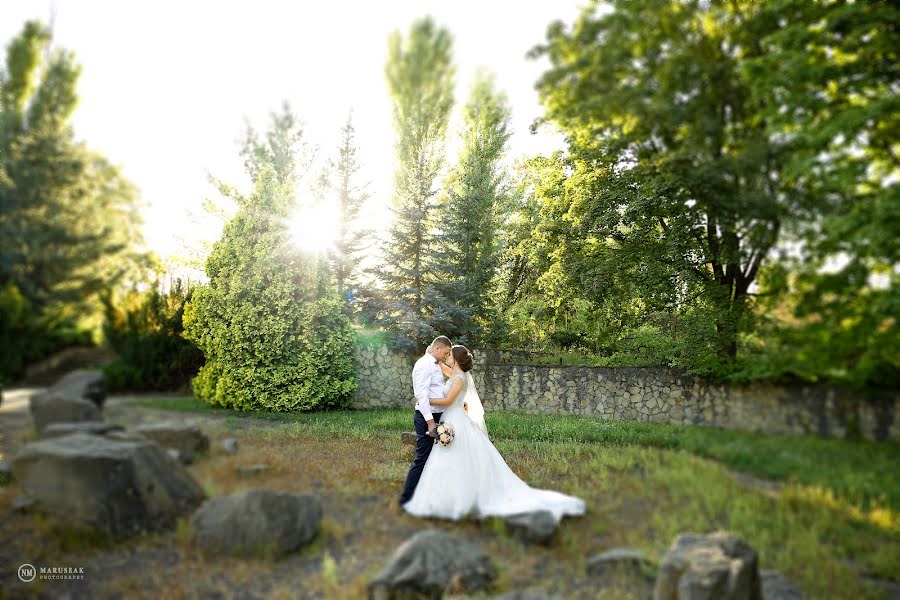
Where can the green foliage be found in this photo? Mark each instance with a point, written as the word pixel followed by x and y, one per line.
pixel 281 148
pixel 857 327
pixel 26 337
pixel 372 339
pixel 146 332
pixel 420 75
pixel 671 186
pixel 476 203
pixel 271 338
pixel 717 168
pixel 339 184
pixel 68 219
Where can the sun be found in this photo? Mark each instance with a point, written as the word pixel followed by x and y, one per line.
pixel 314 228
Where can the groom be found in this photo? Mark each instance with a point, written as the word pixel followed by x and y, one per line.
pixel 428 383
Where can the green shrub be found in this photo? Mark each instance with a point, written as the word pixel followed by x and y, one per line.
pixel 26 336
pixel 146 332
pixel 274 335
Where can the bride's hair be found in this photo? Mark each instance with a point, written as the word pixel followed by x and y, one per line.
pixel 463 357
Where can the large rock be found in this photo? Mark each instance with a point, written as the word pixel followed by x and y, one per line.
pixel 230 445
pixel 619 561
pixel 95 427
pixel 776 586
pixel 257 522
pixel 717 566
pixel 538 526
pixel 22 503
pixel 58 407
pixel 431 563
pixel 187 439
pixel 114 486
pixel 82 383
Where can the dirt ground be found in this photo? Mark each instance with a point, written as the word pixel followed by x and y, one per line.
pixel 358 484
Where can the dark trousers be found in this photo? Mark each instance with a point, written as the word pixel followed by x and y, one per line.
pixel 424 444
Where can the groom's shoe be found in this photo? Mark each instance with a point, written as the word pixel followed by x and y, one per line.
pixel 400 510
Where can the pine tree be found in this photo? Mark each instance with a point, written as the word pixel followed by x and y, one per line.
pixel 471 213
pixel 272 331
pixel 281 149
pixel 339 181
pixel 420 79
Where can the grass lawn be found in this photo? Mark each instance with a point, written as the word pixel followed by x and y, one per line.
pixel 830 526
pixel 864 474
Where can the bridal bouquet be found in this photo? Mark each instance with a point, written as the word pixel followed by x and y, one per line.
pixel 444 434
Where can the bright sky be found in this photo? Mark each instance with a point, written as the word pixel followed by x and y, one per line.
pixel 167 85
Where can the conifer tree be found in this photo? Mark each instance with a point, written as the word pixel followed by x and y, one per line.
pixel 471 216
pixel 420 80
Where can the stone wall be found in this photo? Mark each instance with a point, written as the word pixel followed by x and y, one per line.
pixel 641 394
pixel 385 378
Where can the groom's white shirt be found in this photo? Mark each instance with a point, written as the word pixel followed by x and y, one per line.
pixel 428 382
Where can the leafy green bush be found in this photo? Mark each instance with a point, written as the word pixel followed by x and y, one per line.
pixel 145 330
pixel 26 336
pixel 273 334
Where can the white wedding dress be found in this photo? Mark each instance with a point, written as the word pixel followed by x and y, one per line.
pixel 470 478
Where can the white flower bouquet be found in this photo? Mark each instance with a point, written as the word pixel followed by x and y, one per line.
pixel 443 433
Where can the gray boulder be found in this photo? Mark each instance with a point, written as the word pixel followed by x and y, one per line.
pixel 430 564
pixel 117 487
pixel 619 561
pixel 230 445
pixel 707 567
pixel 89 385
pixel 257 522
pixel 187 439
pixel 538 526
pixel 58 407
pixel 776 586
pixel 95 427
pixel 22 503
pixel 126 435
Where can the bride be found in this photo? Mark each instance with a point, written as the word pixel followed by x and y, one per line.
pixel 469 477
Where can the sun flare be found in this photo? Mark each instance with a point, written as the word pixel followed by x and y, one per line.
pixel 314 228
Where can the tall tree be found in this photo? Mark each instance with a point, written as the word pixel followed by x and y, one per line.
pixel 476 202
pixel 420 76
pixel 282 148
pixel 340 181
pixel 272 335
pixel 701 134
pixel 670 163
pixel 827 82
pixel 69 225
